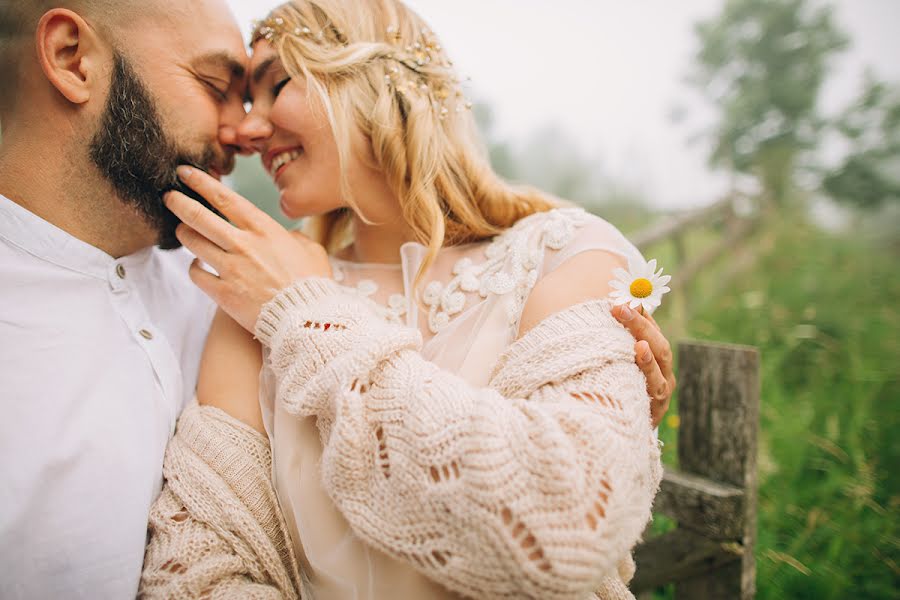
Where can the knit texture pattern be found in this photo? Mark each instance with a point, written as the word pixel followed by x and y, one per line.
pixel 216 530
pixel 537 486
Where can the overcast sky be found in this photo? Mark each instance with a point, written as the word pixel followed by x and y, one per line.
pixel 610 73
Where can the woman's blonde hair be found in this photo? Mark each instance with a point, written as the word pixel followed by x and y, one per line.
pixel 376 65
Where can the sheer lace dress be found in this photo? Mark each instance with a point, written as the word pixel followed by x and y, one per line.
pixel 468 312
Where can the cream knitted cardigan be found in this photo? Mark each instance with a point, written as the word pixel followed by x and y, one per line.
pixel 537 486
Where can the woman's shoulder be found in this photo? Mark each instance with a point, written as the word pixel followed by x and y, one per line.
pixel 563 232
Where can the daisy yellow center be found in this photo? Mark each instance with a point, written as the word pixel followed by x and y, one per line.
pixel 641 288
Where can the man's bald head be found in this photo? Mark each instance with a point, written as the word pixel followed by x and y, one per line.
pixel 19 20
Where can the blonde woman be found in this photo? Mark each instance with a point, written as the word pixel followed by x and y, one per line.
pixel 448 406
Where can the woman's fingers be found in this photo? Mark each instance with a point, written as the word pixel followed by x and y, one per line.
pixel 650 318
pixel 643 327
pixel 206 281
pixel 235 207
pixel 201 247
pixel 202 220
pixel 657 385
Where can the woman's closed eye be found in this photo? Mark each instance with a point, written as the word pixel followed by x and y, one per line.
pixel 279 86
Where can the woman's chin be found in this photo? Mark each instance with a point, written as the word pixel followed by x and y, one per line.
pixel 289 209
pixel 294 208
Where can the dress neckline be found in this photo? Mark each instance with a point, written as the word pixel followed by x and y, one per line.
pixel 399 265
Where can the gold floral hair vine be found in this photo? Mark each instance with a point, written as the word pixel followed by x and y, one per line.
pixel 420 57
pixel 271 27
pixel 418 68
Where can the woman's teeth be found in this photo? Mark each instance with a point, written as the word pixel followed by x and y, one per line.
pixel 283 158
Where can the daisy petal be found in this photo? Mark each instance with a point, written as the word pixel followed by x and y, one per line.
pixel 664 280
pixel 622 274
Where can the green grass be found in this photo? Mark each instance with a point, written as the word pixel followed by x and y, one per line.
pixel 823 310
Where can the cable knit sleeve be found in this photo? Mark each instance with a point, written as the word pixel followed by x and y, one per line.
pixel 215 531
pixel 537 486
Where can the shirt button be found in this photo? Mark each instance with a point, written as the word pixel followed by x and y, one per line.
pixel 120 271
pixel 146 334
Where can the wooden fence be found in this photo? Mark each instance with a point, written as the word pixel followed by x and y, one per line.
pixel 712 495
pixel 737 216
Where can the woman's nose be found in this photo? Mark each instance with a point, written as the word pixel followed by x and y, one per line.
pixel 253 132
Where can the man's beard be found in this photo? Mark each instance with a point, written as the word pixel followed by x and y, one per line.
pixel 135 154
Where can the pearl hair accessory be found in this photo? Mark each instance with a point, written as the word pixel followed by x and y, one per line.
pixel 418 68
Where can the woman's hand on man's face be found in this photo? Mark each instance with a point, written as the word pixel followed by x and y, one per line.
pixel 653 355
pixel 254 256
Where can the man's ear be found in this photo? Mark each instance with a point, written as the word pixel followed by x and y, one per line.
pixel 69 53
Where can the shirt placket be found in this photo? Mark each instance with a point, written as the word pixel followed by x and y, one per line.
pixel 126 298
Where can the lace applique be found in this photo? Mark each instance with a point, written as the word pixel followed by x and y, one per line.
pixel 555 228
pixel 555 231
pixel 397 305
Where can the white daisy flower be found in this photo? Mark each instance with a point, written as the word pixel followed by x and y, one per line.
pixel 641 285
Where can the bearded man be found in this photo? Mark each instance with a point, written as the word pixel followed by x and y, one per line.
pixel 101 330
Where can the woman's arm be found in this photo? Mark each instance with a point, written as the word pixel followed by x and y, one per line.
pixel 537 486
pixel 653 354
pixel 229 371
pixel 216 530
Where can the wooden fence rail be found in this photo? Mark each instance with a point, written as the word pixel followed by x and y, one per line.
pixel 712 495
pixel 738 217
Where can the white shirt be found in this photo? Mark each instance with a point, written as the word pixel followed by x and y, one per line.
pixel 97 359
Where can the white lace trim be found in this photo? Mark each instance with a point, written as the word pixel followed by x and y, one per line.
pixel 444 301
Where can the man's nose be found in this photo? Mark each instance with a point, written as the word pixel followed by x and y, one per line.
pixel 231 116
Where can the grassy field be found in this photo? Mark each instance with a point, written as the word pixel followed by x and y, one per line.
pixel 823 310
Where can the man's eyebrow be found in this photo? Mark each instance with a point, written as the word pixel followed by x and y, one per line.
pixel 259 71
pixel 225 60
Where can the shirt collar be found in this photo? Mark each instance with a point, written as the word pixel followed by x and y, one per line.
pixel 32 234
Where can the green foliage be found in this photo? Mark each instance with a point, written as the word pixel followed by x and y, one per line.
pixel 869 175
pixel 823 311
pixel 762 64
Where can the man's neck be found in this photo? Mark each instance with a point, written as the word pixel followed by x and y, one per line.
pixel 72 195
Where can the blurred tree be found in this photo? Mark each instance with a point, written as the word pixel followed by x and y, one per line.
pixel 762 64
pixel 869 175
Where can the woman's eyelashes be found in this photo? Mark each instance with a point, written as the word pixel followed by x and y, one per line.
pixel 279 86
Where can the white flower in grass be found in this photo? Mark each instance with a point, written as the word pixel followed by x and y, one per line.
pixel 641 285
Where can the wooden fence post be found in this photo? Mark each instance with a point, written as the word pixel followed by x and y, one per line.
pixel 719 410
pixel 713 494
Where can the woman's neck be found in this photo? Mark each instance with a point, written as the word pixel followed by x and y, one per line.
pixel 377 243
pixel 377 238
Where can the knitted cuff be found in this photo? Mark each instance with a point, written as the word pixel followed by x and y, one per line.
pixel 302 292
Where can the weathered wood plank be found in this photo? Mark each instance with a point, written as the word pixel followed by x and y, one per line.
pixel 679 555
pixel 713 509
pixel 717 438
pixel 719 411
pixel 722 584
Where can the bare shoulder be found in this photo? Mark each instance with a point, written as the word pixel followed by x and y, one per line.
pixel 583 277
pixel 229 371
